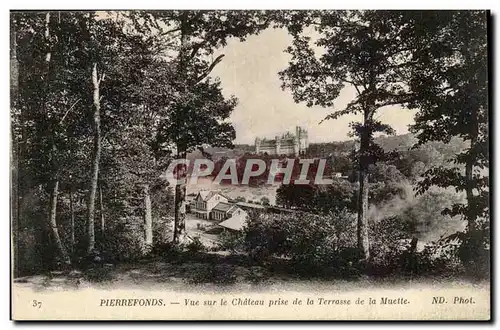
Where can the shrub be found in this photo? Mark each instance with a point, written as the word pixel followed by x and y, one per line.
pixel 123 241
pixel 162 232
pixel 388 239
pixel 394 250
pixel 473 251
pixel 195 246
pixel 168 250
pixel 315 245
pixel 233 242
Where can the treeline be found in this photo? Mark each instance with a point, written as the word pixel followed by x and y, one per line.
pixel 101 103
pixel 435 62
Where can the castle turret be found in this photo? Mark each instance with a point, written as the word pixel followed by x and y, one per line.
pixel 302 138
pixel 296 145
pixel 305 139
pixel 257 145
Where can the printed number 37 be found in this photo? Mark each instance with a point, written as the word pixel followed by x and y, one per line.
pixel 37 303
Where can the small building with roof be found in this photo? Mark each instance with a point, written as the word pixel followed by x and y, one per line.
pixel 213 205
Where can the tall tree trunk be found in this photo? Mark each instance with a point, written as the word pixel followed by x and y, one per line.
pixel 95 161
pixel 72 219
pixel 180 207
pixel 15 142
pixel 101 211
pixel 55 166
pixel 180 187
pixel 362 230
pixel 362 233
pixel 53 224
pixel 148 219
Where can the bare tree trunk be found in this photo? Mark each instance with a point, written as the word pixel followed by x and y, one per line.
pixel 55 182
pixel 72 219
pixel 15 153
pixel 362 230
pixel 101 209
pixel 95 161
pixel 180 209
pixel 148 219
pixel 53 224
pixel 180 188
pixel 362 233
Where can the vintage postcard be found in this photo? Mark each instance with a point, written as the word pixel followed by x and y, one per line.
pixel 250 165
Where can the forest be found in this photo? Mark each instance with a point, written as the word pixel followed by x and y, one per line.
pixel 103 102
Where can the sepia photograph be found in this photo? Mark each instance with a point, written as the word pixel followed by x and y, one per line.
pixel 250 165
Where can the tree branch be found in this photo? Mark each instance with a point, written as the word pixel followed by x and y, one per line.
pixel 352 107
pixel 170 31
pixel 210 68
pixel 70 108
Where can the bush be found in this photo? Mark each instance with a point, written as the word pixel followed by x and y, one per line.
pixel 233 242
pixel 167 251
pixel 389 237
pixel 195 246
pixel 162 232
pixel 473 251
pixel 123 241
pixel 315 245
pixel 394 250
pixel 265 201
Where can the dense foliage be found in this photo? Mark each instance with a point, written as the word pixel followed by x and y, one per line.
pixel 103 102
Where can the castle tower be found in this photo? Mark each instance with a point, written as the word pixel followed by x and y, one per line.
pixel 302 138
pixel 305 136
pixel 296 145
pixel 257 146
pixel 278 145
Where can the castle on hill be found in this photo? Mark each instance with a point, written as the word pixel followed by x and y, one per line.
pixel 286 144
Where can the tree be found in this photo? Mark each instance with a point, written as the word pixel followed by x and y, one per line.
pixel 195 109
pixel 69 115
pixel 41 103
pixel 450 84
pixel 360 49
pixel 240 199
pixel 113 58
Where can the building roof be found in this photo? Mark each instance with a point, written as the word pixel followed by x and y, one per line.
pixel 268 143
pixel 206 195
pixel 236 222
pixel 223 207
pixel 234 208
pixel 224 195
pixel 203 194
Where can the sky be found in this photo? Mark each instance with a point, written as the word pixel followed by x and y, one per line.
pixel 249 71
